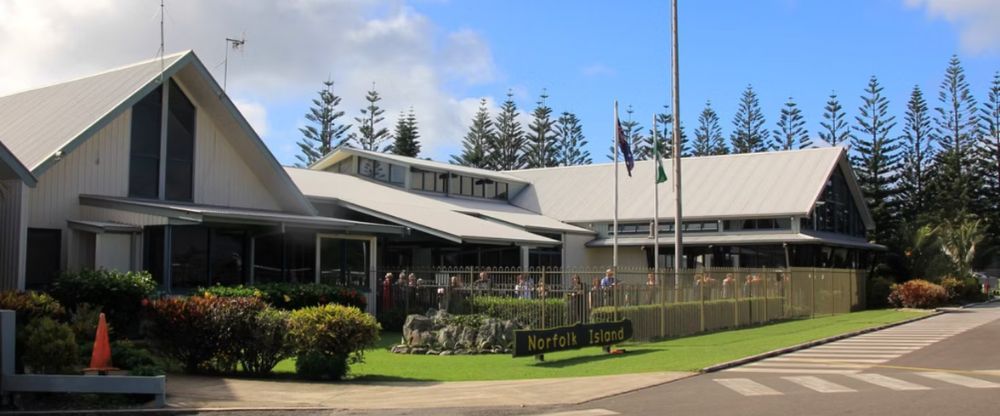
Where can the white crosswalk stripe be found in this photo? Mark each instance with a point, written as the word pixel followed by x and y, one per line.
pixel 818 384
pixel 961 380
pixel 840 381
pixel 747 387
pixel 888 382
pixel 866 351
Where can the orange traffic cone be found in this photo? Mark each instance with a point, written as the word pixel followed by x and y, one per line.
pixel 100 359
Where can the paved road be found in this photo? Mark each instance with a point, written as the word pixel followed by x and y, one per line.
pixel 948 364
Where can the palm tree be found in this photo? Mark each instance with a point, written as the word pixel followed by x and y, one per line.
pixel 959 241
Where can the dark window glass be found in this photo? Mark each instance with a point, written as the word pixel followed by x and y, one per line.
pixel 189 252
pixel 42 257
pixel 144 154
pixel 344 262
pixel 300 252
pixel 180 146
pixel 268 251
pixel 228 251
pixel 152 248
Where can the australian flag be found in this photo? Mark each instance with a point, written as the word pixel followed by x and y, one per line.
pixel 624 147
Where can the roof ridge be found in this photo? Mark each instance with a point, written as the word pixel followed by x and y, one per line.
pixel 730 155
pixel 104 72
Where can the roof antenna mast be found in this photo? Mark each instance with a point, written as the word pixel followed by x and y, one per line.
pixel 162 50
pixel 236 44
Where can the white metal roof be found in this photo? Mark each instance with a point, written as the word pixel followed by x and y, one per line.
pixel 12 168
pixel 40 126
pixel 430 215
pixel 35 124
pixel 768 184
pixel 703 239
pixel 343 152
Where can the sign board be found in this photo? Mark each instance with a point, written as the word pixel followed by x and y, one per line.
pixel 528 342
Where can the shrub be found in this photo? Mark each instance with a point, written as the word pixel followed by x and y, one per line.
pixel 524 311
pixel 332 330
pixel 267 342
pixel 291 296
pixel 118 294
pixel 878 292
pixel 962 290
pixel 917 294
pixel 30 305
pixel 84 321
pixel 50 347
pixel 126 355
pixel 199 330
pixel 315 365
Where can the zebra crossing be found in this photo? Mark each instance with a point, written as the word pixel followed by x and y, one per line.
pixel 852 383
pixel 857 354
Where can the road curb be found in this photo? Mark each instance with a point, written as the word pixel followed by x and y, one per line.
pixel 810 344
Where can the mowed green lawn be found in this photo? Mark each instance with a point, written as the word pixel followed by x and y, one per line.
pixel 682 354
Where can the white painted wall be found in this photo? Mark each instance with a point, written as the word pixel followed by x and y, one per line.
pixel 13 234
pixel 114 251
pixel 99 166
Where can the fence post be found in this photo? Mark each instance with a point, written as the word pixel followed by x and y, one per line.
pixel 767 317
pixel 701 295
pixel 812 293
pixel 736 300
pixel 542 282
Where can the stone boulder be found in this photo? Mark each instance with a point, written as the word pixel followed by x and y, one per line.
pixel 438 333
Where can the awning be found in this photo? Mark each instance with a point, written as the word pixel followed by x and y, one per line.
pixel 182 213
pixel 100 227
pixel 747 239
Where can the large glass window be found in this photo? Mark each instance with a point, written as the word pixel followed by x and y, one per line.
pixel 145 152
pixel 180 146
pixel 42 257
pixel 836 211
pixel 189 263
pixel 344 262
pixel 144 155
pixel 227 257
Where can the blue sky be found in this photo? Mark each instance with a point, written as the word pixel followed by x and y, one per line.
pixel 587 57
pixel 442 56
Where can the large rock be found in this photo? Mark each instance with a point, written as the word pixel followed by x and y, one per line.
pixel 436 332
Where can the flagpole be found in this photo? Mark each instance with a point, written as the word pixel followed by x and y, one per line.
pixel 614 236
pixel 676 92
pixel 656 201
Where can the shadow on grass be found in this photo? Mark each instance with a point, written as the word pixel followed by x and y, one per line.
pixel 586 359
pixel 379 378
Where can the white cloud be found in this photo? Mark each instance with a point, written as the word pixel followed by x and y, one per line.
pixel 597 70
pixel 255 113
pixel 978 21
pixel 292 46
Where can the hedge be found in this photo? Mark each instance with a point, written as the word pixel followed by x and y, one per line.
pixel 527 312
pixel 119 294
pixel 291 296
pixel 680 319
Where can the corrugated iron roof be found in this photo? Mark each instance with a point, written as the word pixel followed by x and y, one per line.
pixel 342 152
pixel 38 123
pixel 765 184
pixel 703 239
pixel 414 210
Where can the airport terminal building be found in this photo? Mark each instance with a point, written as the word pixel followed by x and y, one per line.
pixel 138 169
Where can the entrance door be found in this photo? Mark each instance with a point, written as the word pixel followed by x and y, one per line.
pixel 345 261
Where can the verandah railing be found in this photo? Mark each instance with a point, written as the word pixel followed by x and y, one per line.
pixel 660 306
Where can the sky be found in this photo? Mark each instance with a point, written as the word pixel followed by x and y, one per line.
pixel 441 57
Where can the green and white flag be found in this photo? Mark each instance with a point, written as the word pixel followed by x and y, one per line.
pixel 661 175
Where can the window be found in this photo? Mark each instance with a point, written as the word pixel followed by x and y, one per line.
pixel 180 146
pixel 397 174
pixel 466 186
pixel 145 156
pixel 144 159
pixel 42 257
pixel 758 224
pixel 836 211
pixel 424 180
pixel 501 190
pixel 189 251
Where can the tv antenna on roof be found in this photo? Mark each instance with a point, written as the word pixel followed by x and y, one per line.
pixel 231 43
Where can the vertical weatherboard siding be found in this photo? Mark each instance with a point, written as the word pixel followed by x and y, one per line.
pixel 222 177
pixel 13 234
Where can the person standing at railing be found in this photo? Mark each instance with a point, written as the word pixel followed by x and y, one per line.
pixel 522 289
pixel 727 285
pixel 609 279
pixel 650 289
pixel 483 283
pixel 386 303
pixel 595 290
pixel 575 299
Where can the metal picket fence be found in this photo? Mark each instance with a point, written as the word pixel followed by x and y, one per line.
pixel 661 305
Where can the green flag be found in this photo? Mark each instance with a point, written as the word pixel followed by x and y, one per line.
pixel 661 175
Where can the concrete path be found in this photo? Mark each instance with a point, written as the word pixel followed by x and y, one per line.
pixel 192 392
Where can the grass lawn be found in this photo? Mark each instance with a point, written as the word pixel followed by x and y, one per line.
pixel 682 354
